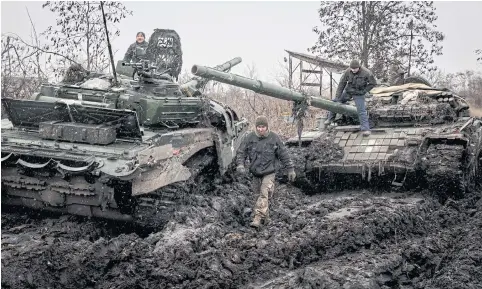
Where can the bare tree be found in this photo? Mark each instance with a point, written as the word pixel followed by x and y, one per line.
pixel 21 73
pixel 380 34
pixel 79 33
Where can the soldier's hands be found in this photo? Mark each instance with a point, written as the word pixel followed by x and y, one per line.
pixel 240 170
pixel 291 175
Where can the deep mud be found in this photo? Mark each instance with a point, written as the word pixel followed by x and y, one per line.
pixel 351 239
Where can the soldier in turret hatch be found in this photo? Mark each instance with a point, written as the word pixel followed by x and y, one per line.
pixel 355 82
pixel 262 147
pixel 140 44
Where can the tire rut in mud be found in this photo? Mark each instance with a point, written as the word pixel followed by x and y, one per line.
pixel 447 255
pixel 373 239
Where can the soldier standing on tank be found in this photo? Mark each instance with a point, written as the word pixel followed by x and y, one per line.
pixel 355 83
pixel 263 147
pixel 140 43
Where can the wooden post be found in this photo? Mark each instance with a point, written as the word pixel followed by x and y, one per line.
pixel 321 79
pixel 331 85
pixel 290 72
pixel 301 73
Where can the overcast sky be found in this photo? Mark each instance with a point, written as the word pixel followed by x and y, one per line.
pixel 259 32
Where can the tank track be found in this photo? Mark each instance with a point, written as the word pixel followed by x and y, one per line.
pixel 444 171
pixel 151 211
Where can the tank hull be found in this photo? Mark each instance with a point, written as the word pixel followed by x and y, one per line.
pixel 103 181
pixel 446 157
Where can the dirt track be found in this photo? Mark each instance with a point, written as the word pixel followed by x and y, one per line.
pixel 353 239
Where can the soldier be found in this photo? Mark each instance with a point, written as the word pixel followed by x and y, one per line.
pixel 355 82
pixel 139 44
pixel 263 147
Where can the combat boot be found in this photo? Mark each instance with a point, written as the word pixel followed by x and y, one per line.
pixel 256 221
pixel 366 133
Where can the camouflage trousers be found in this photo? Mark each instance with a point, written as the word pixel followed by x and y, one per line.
pixel 264 187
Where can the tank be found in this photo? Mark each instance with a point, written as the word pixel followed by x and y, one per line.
pixel 129 151
pixel 421 137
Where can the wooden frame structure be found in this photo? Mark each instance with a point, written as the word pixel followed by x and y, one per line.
pixel 314 66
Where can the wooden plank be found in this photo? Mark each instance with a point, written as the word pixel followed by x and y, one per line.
pixel 312 71
pixel 301 71
pixel 310 84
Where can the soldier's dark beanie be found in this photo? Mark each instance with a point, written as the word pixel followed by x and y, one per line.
pixel 142 33
pixel 354 64
pixel 261 120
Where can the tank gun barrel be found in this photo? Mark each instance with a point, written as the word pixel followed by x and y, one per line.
pixel 197 82
pixel 271 89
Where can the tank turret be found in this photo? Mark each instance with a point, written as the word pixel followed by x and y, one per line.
pixel 408 104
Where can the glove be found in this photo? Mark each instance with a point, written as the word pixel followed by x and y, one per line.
pixel 291 175
pixel 240 169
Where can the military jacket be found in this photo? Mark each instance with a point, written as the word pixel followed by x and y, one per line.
pixel 131 51
pixel 263 152
pixel 356 83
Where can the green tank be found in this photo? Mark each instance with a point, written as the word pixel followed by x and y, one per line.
pixel 128 152
pixel 421 137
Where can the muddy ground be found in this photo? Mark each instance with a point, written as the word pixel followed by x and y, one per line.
pixel 344 240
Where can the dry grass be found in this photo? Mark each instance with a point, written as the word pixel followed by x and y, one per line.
pixel 476 111
pixel 278 112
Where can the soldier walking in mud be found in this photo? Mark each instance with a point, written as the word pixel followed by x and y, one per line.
pixel 141 43
pixel 262 147
pixel 355 83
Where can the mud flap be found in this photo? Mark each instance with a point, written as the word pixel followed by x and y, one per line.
pixel 226 152
pixel 171 172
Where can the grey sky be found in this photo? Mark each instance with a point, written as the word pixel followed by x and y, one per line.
pixel 259 32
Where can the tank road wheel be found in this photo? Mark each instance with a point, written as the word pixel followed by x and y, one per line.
pixel 445 172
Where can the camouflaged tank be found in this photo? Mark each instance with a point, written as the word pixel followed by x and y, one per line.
pixel 124 152
pixel 421 136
